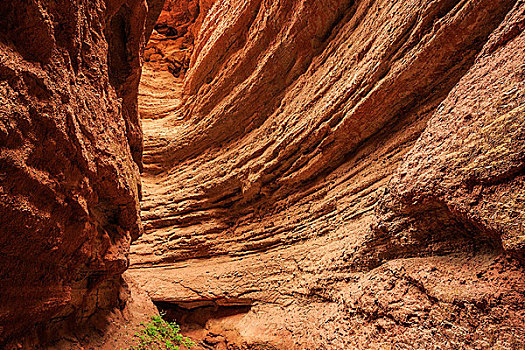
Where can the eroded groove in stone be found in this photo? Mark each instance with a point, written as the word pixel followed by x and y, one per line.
pixel 352 168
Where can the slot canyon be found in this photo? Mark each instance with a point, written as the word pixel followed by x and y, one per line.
pixel 270 175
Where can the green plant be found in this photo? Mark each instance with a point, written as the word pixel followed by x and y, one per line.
pixel 159 334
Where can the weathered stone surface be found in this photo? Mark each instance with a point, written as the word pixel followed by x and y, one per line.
pixel 471 158
pixel 338 175
pixel 323 174
pixel 171 43
pixel 70 151
pixel 182 18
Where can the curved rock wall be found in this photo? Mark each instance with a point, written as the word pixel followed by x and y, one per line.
pixel 70 151
pixel 349 172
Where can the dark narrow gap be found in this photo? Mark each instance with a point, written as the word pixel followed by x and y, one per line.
pixel 188 316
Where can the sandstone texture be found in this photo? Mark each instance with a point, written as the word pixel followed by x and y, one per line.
pixel 317 174
pixel 70 152
pixel 335 174
pixel 173 34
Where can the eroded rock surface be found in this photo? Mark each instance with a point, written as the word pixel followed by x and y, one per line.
pixel 173 35
pixel 70 151
pixel 347 174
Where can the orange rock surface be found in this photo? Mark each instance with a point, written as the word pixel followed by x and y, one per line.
pixel 316 174
pixel 70 152
pixel 333 174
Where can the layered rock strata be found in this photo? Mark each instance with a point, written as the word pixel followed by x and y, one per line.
pixel 341 174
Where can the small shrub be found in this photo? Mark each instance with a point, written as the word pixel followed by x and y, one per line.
pixel 159 334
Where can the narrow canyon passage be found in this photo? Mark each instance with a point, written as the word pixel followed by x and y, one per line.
pixel 289 184
pixel 288 174
pixel 160 96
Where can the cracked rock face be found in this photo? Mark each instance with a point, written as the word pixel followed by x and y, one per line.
pixel 70 151
pixel 347 174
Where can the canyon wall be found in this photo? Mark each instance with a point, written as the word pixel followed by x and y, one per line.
pixel 337 174
pixel 317 174
pixel 70 152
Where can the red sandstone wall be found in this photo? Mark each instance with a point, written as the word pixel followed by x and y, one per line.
pixel 350 170
pixel 348 173
pixel 70 152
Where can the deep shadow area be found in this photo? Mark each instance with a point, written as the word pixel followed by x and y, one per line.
pixel 198 315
